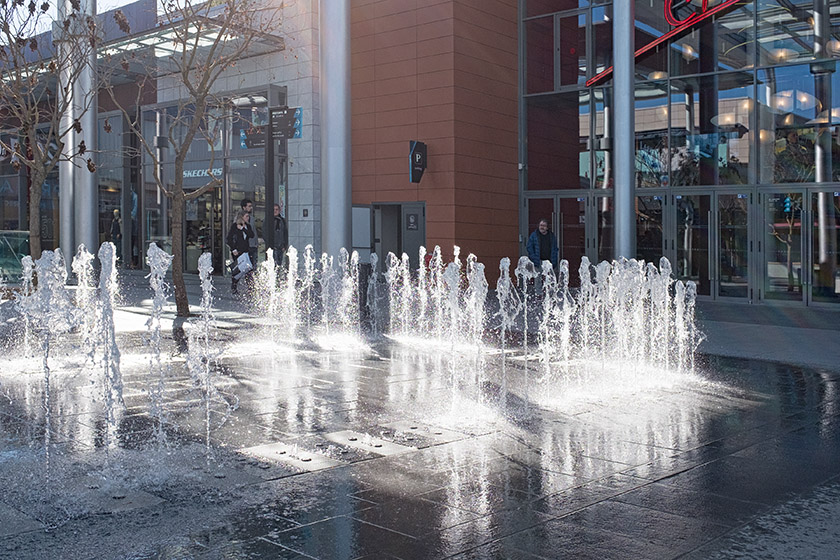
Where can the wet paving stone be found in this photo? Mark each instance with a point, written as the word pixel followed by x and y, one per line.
pixel 764 480
pixel 484 530
pixel 562 539
pixel 651 473
pixel 706 507
pixel 414 517
pixel 350 538
pixel 496 551
pixel 676 533
pixel 13 522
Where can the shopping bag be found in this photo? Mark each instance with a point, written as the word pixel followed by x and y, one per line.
pixel 243 266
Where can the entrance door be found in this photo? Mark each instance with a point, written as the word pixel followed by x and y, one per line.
pixel 823 216
pixel 203 232
pixel 732 260
pixel 692 255
pixel 398 229
pixel 566 216
pixel 782 246
pixel 650 238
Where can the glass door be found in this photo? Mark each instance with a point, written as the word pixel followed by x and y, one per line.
pixel 693 215
pixel 650 239
pixel 203 230
pixel 604 215
pixel 824 220
pixel 571 231
pixel 782 253
pixel 566 216
pixel 732 262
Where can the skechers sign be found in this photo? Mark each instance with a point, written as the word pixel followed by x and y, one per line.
pixel 193 173
pixel 703 10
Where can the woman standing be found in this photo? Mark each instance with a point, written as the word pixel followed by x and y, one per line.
pixel 238 240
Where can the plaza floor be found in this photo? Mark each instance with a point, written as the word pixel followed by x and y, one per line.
pixel 341 450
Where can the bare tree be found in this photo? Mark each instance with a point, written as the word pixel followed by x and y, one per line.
pixel 36 81
pixel 204 42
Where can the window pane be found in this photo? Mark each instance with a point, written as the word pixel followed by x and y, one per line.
pixel 710 129
pixel 558 129
pixel 601 143
pixel 722 42
pixel 539 7
pixel 785 31
pixel 602 38
pixel 540 50
pixel 571 50
pixel 651 169
pixel 650 25
pixel 788 111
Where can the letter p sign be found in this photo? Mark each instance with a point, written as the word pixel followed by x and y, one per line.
pixel 417 160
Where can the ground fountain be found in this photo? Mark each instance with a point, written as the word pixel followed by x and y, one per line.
pixel 338 368
pixel 159 262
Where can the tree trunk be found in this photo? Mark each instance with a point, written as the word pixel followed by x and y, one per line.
pixel 35 186
pixel 182 303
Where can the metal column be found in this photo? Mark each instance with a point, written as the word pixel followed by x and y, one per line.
pixel 336 178
pixel 65 167
pixel 86 185
pixel 625 128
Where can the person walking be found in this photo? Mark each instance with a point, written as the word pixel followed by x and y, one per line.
pixel 281 239
pixel 542 246
pixel 237 239
pixel 253 242
pixel 116 234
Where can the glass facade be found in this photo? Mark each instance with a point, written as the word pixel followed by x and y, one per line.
pixel 735 115
pixel 231 146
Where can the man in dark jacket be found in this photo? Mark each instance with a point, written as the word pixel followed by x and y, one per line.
pixel 542 246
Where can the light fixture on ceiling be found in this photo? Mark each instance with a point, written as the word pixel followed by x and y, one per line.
pixel 724 119
pixel 782 54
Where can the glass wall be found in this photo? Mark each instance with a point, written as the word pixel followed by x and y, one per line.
pixel 558 153
pixel 727 102
pixel 746 99
pixel 231 146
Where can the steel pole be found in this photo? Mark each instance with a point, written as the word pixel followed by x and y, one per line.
pixel 66 169
pixel 336 177
pixel 84 99
pixel 625 131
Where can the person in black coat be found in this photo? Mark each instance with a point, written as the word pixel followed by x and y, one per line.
pixel 116 234
pixel 238 239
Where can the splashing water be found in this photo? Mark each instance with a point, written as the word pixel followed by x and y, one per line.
pixel 50 312
pixel 106 338
pixel 83 269
pixel 159 262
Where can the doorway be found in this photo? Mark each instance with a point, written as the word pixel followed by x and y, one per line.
pixel 399 228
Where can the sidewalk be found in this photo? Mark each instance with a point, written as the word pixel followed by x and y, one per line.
pixel 793 335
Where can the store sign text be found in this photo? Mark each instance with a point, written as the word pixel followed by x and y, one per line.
pixel 702 13
pixel 192 173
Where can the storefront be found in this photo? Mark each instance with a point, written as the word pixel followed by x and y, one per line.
pixel 737 140
pixel 234 150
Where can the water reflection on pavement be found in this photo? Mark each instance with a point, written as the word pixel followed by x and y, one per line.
pixel 405 452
